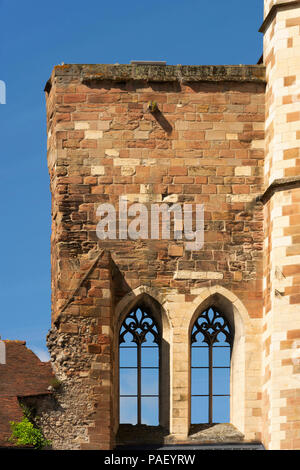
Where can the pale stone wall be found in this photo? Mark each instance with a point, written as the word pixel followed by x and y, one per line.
pixel 281 388
pixel 282 325
pixel 281 55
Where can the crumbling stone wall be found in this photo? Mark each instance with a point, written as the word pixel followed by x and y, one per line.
pixel 65 413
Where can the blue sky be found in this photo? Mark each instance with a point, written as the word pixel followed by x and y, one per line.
pixel 35 36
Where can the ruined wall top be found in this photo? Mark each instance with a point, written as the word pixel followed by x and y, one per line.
pixel 157 73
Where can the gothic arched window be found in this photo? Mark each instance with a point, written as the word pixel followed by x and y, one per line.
pixel 139 344
pixel 211 344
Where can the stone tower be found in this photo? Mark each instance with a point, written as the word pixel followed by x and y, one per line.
pixel 155 134
pixel 281 29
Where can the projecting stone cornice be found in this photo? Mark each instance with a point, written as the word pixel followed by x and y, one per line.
pixel 89 74
pixel 282 184
pixel 280 5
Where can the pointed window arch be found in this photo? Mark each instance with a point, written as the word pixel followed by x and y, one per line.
pixel 139 366
pixel 211 346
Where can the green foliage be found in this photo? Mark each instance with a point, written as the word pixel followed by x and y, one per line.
pixel 24 433
pixel 27 412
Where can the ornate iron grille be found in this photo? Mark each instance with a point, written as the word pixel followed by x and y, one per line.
pixel 211 328
pixel 141 327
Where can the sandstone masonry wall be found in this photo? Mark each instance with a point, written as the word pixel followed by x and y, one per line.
pixel 281 284
pixel 204 144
